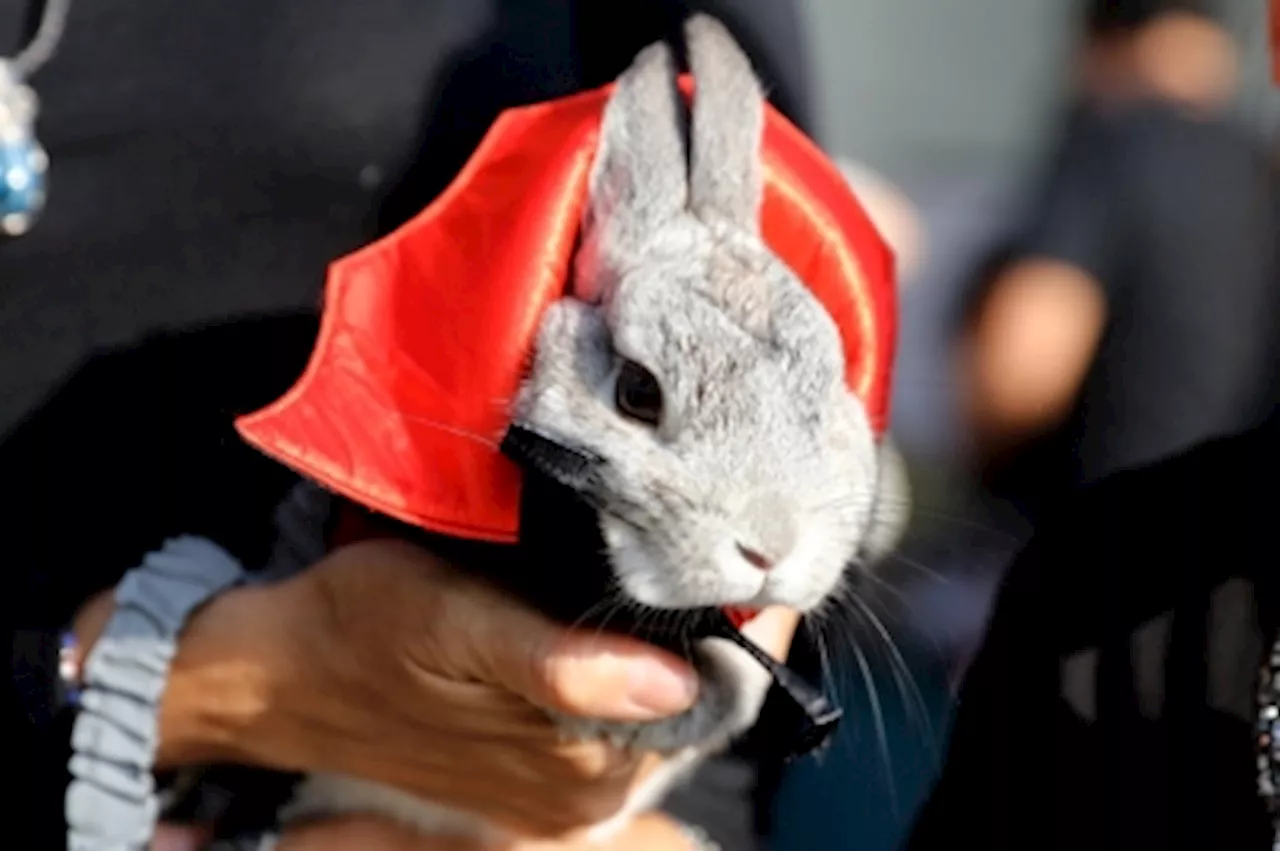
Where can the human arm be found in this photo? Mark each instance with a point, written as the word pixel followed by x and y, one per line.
pixel 1029 350
pixel 162 415
pixel 653 832
pixel 308 675
pixel 1041 313
pixel 213 691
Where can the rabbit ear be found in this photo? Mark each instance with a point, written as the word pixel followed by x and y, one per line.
pixel 726 179
pixel 639 179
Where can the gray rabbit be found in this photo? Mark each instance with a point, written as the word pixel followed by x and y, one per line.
pixel 739 468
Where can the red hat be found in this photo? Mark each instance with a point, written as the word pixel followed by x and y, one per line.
pixel 426 333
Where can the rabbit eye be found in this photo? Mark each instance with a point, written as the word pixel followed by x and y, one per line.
pixel 638 394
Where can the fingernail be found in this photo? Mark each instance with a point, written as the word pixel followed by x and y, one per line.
pixel 658 688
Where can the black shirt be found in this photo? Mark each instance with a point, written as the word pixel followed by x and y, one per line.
pixel 1112 703
pixel 210 159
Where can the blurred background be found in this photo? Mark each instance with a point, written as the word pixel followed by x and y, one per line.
pixel 238 147
pixel 963 108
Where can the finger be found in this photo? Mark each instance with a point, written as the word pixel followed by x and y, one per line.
pixel 773 630
pixel 479 633
pixel 604 676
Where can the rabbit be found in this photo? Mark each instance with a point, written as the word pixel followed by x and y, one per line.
pixel 735 467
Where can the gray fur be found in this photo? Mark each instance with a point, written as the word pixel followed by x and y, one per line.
pixel 761 443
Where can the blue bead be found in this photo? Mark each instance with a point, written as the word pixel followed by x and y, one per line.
pixel 22 182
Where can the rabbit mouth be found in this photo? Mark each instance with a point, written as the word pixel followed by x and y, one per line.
pixel 740 616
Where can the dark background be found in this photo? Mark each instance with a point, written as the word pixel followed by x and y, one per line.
pixel 210 158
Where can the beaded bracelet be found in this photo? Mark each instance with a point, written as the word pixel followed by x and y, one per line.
pixel 1267 732
pixel 68 683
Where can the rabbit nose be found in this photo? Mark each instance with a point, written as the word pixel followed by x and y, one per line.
pixel 755 559
pixel 767 532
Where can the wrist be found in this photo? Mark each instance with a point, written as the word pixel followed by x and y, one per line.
pixel 222 683
pixel 89 623
pixel 76 642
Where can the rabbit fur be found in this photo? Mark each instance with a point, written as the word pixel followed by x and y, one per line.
pixel 760 446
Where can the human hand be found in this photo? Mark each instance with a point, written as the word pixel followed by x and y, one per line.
pixel 368 833
pixel 652 832
pixel 383 663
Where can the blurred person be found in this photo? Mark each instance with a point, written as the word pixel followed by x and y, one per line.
pixel 1113 700
pixel 1125 694
pixel 212 171
pixel 1135 314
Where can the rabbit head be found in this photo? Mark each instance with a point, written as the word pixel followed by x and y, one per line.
pixel 737 466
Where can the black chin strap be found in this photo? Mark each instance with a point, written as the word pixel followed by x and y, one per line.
pixel 814 719
pixel 576 469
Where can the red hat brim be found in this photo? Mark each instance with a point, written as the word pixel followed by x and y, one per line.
pixel 427 333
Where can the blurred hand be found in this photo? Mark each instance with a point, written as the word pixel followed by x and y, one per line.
pixel 1022 363
pixel 648 833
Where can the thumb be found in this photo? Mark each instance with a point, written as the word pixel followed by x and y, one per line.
pixel 579 672
pixel 609 677
pixel 512 646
